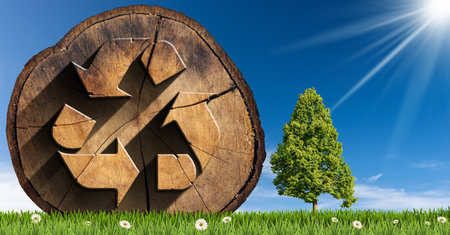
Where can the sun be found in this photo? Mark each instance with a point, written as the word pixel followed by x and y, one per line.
pixel 438 9
pixel 400 23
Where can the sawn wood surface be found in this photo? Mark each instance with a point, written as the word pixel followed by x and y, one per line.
pixel 135 109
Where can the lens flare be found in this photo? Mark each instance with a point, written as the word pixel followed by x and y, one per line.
pixel 438 9
pixel 405 21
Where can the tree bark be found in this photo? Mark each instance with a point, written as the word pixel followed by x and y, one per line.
pixel 151 94
pixel 315 206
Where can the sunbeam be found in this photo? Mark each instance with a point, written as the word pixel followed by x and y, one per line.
pixel 392 37
pixel 395 19
pixel 381 64
pixel 347 32
pixel 414 94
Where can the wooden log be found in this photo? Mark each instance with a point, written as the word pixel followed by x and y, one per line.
pixel 137 108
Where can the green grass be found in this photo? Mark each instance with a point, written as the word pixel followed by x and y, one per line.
pixel 286 222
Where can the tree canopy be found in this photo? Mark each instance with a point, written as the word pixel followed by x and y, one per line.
pixel 309 161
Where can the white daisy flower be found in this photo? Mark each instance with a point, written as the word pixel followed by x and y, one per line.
pixel 357 224
pixel 226 219
pixel 395 221
pixel 427 222
pixel 441 219
pixel 334 219
pixel 125 224
pixel 201 224
pixel 35 218
pixel 88 223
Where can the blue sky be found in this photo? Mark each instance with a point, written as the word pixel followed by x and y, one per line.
pixel 382 66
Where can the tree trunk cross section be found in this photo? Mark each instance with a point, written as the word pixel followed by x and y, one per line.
pixel 135 109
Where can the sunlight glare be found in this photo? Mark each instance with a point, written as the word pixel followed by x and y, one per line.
pixel 438 9
pixel 380 65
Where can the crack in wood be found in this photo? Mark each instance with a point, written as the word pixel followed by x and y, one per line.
pixel 207 100
pixel 66 193
pixel 148 113
pixel 255 139
pixel 215 96
pixel 212 97
pixel 201 198
pixel 89 59
pixel 84 168
pixel 97 22
pixel 207 44
pixel 193 185
pixel 141 43
pixel 159 137
pixel 15 103
pixel 106 139
pixel 23 180
pixel 49 125
pixel 115 131
pixel 252 172
pixel 173 152
pixel 64 124
pixel 208 154
pixel 140 138
pixel 147 190
pixel 184 171
pixel 231 150
pixel 131 24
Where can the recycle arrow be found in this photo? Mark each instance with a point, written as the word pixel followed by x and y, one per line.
pixel 103 171
pixel 190 111
pixel 104 75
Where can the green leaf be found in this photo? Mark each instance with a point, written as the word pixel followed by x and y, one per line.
pixel 309 161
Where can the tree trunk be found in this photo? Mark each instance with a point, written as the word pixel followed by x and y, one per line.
pixel 315 206
pixel 171 103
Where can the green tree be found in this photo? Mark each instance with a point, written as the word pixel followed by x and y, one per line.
pixel 309 161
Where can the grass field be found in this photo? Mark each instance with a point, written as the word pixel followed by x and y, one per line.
pixel 286 222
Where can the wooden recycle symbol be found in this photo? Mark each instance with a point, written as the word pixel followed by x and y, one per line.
pixel 137 108
pixel 101 80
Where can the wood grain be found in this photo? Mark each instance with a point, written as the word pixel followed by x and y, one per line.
pixel 192 115
pixel 175 172
pixel 109 171
pixel 189 101
pixel 230 167
pixel 76 163
pixel 165 62
pixel 72 128
pixel 110 64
